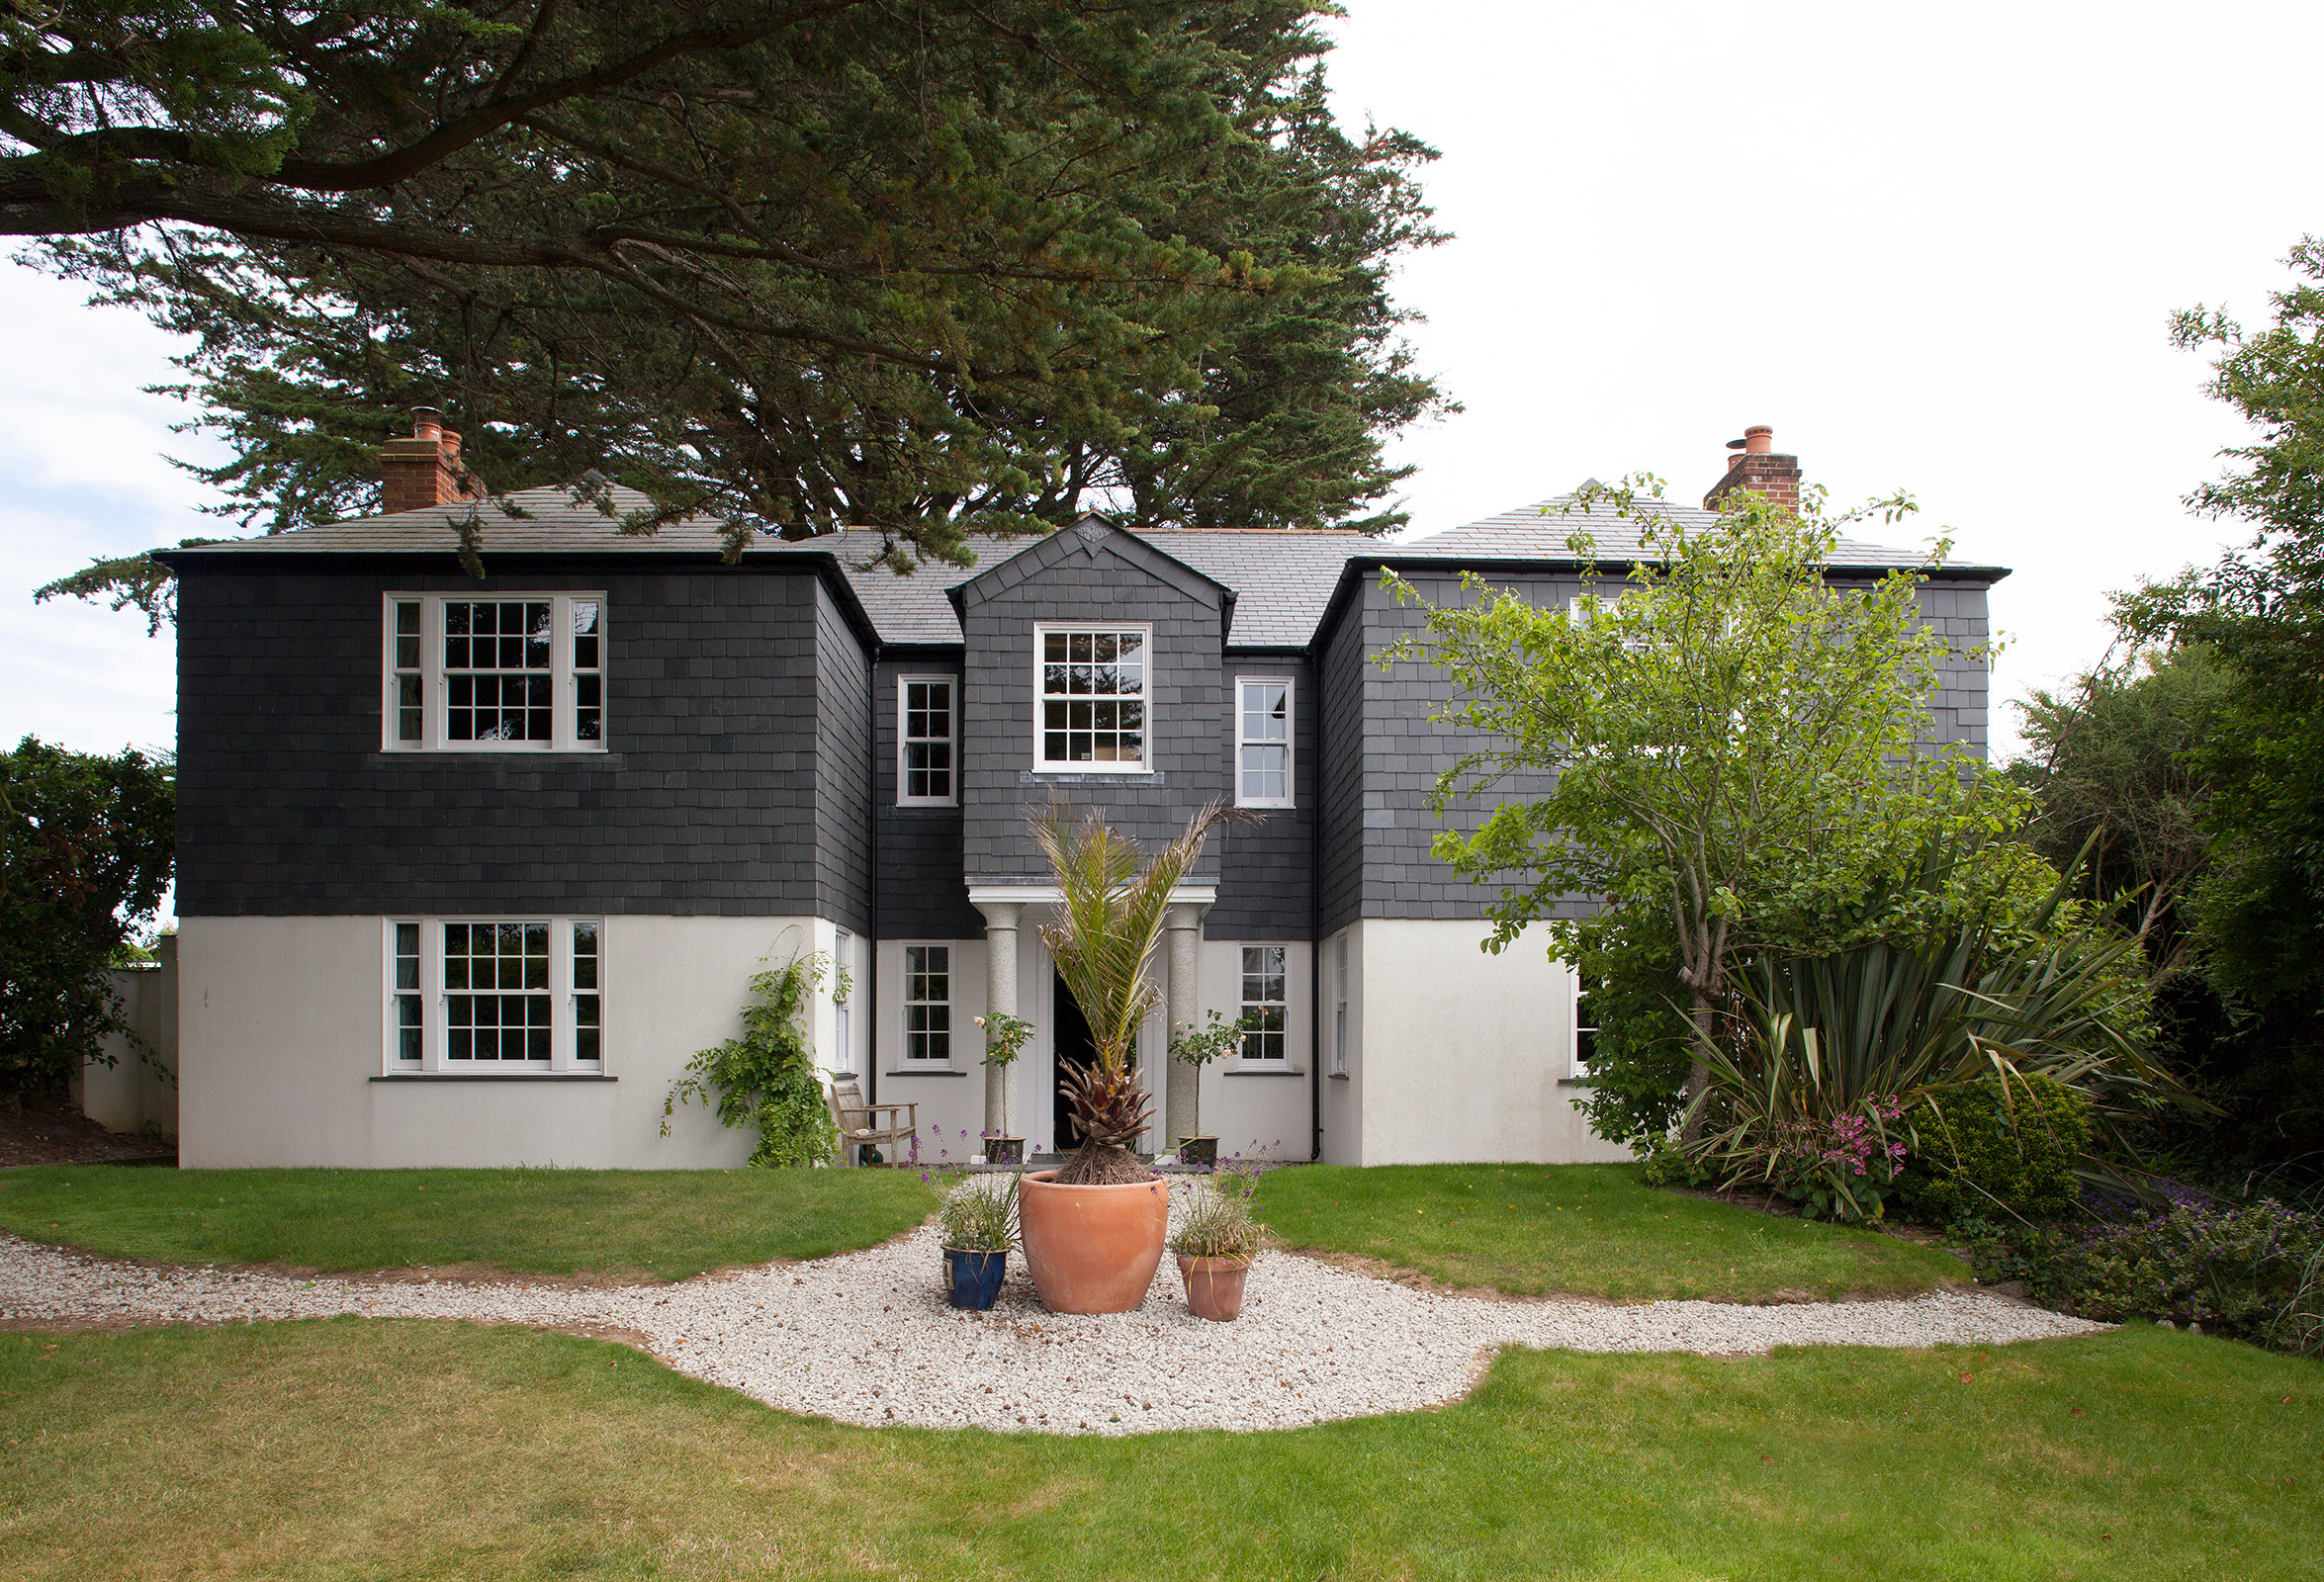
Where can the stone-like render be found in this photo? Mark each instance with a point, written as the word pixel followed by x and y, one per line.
pixel 708 766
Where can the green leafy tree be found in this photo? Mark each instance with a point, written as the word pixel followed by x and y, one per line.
pixel 1732 746
pixel 86 848
pixel 2259 907
pixel 2110 766
pixel 2254 910
pixel 920 267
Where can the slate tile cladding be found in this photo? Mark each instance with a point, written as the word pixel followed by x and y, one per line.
pixel 1059 580
pixel 1343 672
pixel 842 768
pixel 1382 754
pixel 706 802
pixel 922 890
pixel 1267 868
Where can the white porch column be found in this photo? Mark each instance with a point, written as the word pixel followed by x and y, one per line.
pixel 1000 995
pixel 1184 1008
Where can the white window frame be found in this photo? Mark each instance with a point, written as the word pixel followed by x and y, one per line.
pixel 436 1012
pixel 1291 718
pixel 1041 631
pixel 904 685
pixel 1576 1067
pixel 435 695
pixel 1339 1023
pixel 843 999
pixel 1243 1060
pixel 906 1061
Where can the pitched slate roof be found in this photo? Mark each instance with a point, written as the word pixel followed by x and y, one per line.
pixel 1283 580
pixel 552 522
pixel 1543 532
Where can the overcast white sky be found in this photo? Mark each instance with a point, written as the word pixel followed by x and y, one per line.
pixel 1935 248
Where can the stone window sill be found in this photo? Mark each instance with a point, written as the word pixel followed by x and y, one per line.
pixel 1265 1071
pixel 926 1071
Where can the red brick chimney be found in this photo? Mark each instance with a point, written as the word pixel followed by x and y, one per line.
pixel 1759 468
pixel 425 470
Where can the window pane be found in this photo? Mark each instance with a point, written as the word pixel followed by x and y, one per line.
pixel 1265 1002
pixel 927 1010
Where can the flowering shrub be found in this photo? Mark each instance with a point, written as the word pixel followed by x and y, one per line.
pixel 1992 1152
pixel 2250 1270
pixel 1841 1168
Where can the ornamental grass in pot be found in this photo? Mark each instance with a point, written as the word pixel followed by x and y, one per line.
pixel 1092 1228
pixel 977 1225
pixel 1216 1244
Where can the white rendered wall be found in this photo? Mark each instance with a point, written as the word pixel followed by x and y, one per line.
pixel 951 1099
pixel 281 1029
pixel 1260 1110
pixel 1461 1053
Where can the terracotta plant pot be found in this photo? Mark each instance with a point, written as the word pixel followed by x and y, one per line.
pixel 1092 1249
pixel 1214 1285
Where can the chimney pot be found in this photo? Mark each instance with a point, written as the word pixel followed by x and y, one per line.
pixel 427 422
pixel 1758 440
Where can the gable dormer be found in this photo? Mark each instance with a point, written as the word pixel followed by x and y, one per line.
pixel 1091 672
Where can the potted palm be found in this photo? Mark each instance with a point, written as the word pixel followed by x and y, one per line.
pixel 1092 1228
pixel 1004 1040
pixel 1215 1245
pixel 977 1226
pixel 1196 1044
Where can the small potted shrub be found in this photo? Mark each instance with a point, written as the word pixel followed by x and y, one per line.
pixel 978 1222
pixel 1215 1245
pixel 1197 1045
pixel 1004 1040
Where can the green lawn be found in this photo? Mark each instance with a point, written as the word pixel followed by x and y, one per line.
pixel 357 1448
pixel 664 1224
pixel 1589 1230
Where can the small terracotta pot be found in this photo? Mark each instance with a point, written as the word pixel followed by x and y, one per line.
pixel 1092 1249
pixel 1214 1285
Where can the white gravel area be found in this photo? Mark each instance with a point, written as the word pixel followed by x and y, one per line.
pixel 866 1336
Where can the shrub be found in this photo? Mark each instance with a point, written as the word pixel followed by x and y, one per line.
pixel 1218 1221
pixel 767 1078
pixel 2252 1269
pixel 1991 1150
pixel 86 848
pixel 979 1214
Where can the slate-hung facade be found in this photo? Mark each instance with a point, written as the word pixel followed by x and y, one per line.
pixel 468 870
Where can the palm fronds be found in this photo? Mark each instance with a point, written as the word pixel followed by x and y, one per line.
pixel 1113 904
pixel 1113 913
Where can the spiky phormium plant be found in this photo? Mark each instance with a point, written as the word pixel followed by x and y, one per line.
pixel 1110 924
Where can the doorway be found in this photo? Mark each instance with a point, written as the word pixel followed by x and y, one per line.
pixel 1069 1039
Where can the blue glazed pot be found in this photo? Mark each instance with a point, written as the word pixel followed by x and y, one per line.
pixel 974 1280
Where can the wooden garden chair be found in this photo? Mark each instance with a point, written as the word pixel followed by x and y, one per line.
pixel 860 1123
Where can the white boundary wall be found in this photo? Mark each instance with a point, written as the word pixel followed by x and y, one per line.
pixel 282 1026
pixel 1454 1055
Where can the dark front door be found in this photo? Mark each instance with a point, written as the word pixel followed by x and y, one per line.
pixel 1069 1035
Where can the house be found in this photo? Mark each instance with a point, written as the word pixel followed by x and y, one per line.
pixel 469 869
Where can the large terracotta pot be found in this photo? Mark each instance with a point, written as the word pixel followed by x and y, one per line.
pixel 1214 1285
pixel 1092 1249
